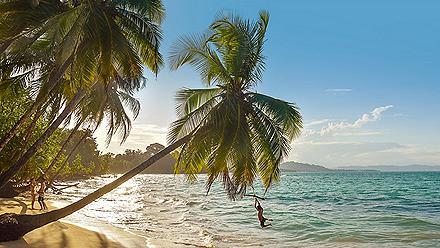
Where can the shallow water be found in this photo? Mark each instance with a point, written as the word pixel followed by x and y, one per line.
pixel 343 209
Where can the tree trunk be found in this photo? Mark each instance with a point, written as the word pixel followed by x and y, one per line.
pixel 9 135
pixel 19 152
pixel 53 81
pixel 67 159
pixel 7 175
pixel 4 45
pixel 14 226
pixel 60 152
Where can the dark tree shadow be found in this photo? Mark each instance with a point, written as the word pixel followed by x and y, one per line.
pixel 102 240
pixel 22 205
pixel 7 204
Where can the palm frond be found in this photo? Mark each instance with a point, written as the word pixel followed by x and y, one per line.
pixel 194 50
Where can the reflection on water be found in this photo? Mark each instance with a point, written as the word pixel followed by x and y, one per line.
pixel 309 210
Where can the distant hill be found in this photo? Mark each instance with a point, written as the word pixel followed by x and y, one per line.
pixel 302 167
pixel 390 168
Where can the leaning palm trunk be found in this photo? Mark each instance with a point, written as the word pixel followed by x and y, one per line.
pixel 29 130
pixel 7 175
pixel 63 147
pixel 14 226
pixel 9 135
pixel 52 83
pixel 72 152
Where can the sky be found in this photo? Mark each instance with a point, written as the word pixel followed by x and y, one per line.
pixel 365 74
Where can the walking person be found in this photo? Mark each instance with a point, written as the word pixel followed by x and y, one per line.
pixel 41 190
pixel 33 194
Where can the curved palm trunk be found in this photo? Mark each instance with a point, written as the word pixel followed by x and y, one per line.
pixel 9 135
pixel 36 105
pixel 19 152
pixel 60 152
pixel 7 175
pixel 72 152
pixel 14 226
pixel 5 44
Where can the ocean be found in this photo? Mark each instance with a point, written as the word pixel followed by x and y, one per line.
pixel 337 209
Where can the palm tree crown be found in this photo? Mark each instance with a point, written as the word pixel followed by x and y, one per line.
pixel 236 134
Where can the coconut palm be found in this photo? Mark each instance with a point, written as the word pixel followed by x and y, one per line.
pixel 86 134
pixel 105 100
pixel 236 133
pixel 87 34
pixel 233 132
pixel 90 41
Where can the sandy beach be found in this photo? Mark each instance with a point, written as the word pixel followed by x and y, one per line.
pixel 59 234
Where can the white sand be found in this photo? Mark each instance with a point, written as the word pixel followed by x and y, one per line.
pixel 60 234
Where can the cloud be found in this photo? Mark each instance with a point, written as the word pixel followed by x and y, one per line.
pixel 339 90
pixel 335 127
pixel 140 137
pixel 377 112
pixel 352 153
pixel 349 143
pixel 317 122
pixel 366 133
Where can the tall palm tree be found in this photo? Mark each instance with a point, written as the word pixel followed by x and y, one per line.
pixel 88 34
pixel 86 134
pixel 63 147
pixel 236 133
pixel 233 132
pixel 105 100
pixel 91 41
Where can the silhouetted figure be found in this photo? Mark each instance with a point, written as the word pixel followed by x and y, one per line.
pixel 260 214
pixel 33 194
pixel 41 190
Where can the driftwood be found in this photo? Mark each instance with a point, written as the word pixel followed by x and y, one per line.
pixel 58 190
pixel 21 187
pixel 256 196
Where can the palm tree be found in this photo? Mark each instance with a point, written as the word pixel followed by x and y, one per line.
pixel 92 41
pixel 63 147
pixel 88 34
pixel 236 133
pixel 233 132
pixel 105 100
pixel 86 134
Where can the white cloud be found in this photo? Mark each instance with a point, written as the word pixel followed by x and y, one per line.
pixel 335 127
pixel 352 153
pixel 141 136
pixel 317 122
pixel 377 112
pixel 366 133
pixel 338 90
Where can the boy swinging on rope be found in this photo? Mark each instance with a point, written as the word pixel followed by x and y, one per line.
pixel 260 214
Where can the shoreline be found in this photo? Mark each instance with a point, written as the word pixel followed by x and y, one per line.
pixel 65 233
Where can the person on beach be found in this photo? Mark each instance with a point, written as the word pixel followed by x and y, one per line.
pixel 41 190
pixel 260 214
pixel 33 195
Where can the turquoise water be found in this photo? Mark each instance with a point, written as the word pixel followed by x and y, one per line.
pixel 344 209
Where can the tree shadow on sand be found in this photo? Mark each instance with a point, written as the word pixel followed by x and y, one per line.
pixel 6 204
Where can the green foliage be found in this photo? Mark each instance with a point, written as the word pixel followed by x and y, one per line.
pixel 77 167
pixel 121 163
pixel 235 133
pixel 54 49
pixel 12 106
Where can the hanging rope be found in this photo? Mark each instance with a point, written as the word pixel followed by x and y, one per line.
pixel 255 195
